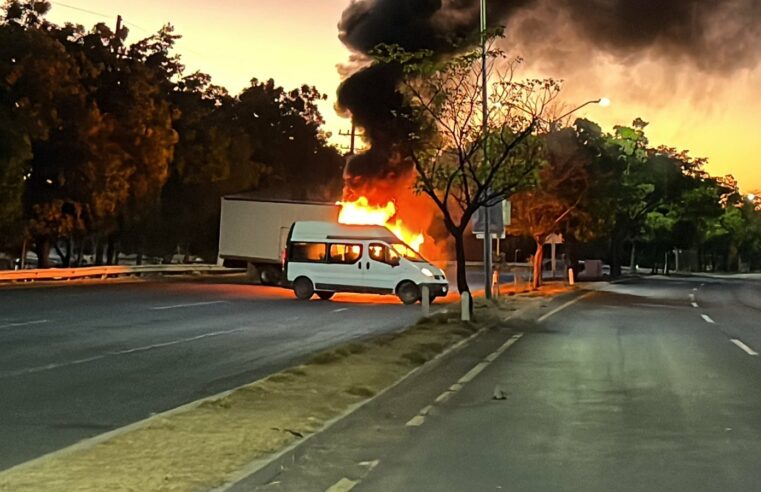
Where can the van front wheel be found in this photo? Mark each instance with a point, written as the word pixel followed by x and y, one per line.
pixel 408 293
pixel 303 288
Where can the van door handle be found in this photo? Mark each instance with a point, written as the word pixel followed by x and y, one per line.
pixel 360 265
pixel 367 265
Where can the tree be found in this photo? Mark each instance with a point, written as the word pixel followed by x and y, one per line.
pixel 459 164
pixel 40 96
pixel 561 184
pixel 213 157
pixel 283 128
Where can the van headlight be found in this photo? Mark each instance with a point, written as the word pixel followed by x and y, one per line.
pixel 426 272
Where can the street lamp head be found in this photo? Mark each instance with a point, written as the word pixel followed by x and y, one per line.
pixel 604 102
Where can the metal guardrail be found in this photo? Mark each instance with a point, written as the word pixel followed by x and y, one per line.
pixel 108 271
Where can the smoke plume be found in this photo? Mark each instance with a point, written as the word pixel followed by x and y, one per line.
pixel 559 36
pixel 645 52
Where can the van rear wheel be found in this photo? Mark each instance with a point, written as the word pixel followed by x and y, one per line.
pixel 408 293
pixel 325 295
pixel 303 288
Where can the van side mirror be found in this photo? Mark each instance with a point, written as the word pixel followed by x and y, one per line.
pixel 394 262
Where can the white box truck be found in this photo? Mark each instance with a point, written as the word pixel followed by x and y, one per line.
pixel 254 231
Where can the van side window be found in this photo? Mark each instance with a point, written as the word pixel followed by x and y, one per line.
pixel 382 253
pixel 308 252
pixel 345 253
pixel 378 252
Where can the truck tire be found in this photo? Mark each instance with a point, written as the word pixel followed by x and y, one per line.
pixel 269 275
pixel 303 288
pixel 325 294
pixel 408 292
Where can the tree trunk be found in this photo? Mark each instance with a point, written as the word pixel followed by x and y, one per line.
pixel 633 257
pixel 462 279
pixel 110 249
pixel 538 259
pixel 42 248
pixel 98 252
pixel 80 246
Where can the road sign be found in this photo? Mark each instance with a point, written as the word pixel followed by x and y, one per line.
pixel 499 218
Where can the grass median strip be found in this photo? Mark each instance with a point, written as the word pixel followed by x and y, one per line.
pixel 200 448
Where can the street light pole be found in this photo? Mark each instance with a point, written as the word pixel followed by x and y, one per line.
pixel 603 101
pixel 485 118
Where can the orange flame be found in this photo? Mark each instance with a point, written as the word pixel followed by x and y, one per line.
pixel 361 212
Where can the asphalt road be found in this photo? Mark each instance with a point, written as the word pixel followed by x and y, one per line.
pixel 646 385
pixel 80 360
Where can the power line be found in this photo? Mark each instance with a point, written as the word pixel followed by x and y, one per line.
pixel 97 14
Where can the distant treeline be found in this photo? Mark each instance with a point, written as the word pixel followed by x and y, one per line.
pixel 107 146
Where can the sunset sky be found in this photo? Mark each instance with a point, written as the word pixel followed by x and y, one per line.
pixel 710 112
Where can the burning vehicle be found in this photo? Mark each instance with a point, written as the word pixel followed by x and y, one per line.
pixel 324 258
pixel 258 233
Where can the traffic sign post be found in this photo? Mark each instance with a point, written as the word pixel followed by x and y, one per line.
pixel 491 220
pixel 553 240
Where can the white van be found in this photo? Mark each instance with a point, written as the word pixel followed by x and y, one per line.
pixel 325 258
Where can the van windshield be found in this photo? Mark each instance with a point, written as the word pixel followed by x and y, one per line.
pixel 406 252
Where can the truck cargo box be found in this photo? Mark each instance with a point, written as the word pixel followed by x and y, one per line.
pixel 254 230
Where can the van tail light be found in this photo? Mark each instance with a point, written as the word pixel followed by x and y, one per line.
pixel 282 258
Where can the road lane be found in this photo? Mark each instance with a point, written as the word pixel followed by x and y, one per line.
pixel 609 395
pixel 82 360
pixel 628 389
pixel 734 306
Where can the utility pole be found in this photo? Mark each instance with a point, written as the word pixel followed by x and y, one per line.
pixel 352 136
pixel 117 35
pixel 485 118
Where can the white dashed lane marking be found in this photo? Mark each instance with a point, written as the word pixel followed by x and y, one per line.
pixel 707 319
pixel 192 304
pixel 343 485
pixel 744 347
pixel 24 323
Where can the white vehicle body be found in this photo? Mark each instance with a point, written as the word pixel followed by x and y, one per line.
pixel 254 231
pixel 326 257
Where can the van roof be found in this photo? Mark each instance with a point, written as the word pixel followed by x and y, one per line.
pixel 324 231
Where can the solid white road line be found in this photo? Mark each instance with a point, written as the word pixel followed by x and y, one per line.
pixel 24 323
pixel 192 304
pixel 560 308
pixel 744 347
pixel 475 371
pixel 343 485
pixel 419 419
pixel 707 319
pixel 695 304
pixel 340 310
pixel 444 396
